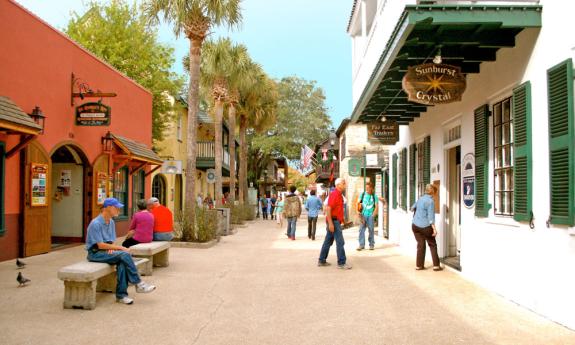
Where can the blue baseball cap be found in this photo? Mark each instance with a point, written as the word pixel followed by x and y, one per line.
pixel 113 202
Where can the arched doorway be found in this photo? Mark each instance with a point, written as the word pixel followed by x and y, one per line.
pixel 69 179
pixel 159 188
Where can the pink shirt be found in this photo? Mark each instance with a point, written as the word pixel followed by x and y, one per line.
pixel 143 223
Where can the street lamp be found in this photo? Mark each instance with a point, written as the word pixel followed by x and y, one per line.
pixel 332 138
pixel 38 116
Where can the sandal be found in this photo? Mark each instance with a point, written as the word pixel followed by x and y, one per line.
pixel 438 268
pixel 419 268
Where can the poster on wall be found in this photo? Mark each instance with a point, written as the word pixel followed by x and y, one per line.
pixel 468 175
pixel 65 178
pixel 38 187
pixel 101 183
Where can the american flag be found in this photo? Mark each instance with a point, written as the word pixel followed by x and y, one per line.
pixel 307 153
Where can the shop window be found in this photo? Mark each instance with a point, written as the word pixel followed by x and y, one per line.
pixel 138 189
pixel 2 185
pixel 503 157
pixel 121 190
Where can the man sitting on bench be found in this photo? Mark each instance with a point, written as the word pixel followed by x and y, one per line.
pixel 101 248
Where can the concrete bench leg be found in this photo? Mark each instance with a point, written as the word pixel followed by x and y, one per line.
pixel 145 268
pixel 162 259
pixel 79 295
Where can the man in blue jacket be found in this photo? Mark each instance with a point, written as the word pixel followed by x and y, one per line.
pixel 312 205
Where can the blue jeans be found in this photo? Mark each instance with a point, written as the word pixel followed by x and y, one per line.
pixel 163 236
pixel 126 271
pixel 369 224
pixel 337 235
pixel 291 226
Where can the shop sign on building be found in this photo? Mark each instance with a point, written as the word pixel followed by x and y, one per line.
pixel 93 114
pixel 172 167
pixel 434 83
pixel 383 133
pixel 468 175
pixel 38 185
pixel 354 166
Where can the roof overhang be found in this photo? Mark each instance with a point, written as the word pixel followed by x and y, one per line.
pixel 14 120
pixel 467 36
pixel 137 151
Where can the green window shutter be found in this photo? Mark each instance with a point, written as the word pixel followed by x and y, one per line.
pixel 522 161
pixel 561 141
pixel 481 160
pixel 394 204
pixel 411 174
pixel 404 178
pixel 427 160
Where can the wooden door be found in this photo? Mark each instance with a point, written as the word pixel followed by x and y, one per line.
pixel 36 238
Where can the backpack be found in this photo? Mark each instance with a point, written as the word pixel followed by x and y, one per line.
pixel 360 202
pixel 292 206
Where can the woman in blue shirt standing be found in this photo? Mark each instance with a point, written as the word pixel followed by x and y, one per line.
pixel 423 227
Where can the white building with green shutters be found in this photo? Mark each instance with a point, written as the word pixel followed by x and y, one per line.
pixel 503 156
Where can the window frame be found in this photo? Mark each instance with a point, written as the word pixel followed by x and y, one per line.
pixel 503 174
pixel 138 180
pixel 122 195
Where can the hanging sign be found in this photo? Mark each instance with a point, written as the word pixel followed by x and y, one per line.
pixel 468 175
pixel 93 114
pixel 211 175
pixel 38 185
pixel 354 167
pixel 383 133
pixel 172 167
pixel 434 84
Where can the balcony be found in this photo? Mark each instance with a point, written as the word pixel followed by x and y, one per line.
pixel 323 172
pixel 205 156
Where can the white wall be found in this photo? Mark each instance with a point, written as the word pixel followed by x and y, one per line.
pixel 531 267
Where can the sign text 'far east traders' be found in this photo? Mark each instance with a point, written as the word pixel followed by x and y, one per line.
pixel 93 114
pixel 384 133
pixel 434 84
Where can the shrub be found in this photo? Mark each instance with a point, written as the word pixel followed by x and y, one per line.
pixel 204 229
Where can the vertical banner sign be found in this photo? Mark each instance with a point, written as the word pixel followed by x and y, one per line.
pixel 38 187
pixel 468 175
pixel 101 183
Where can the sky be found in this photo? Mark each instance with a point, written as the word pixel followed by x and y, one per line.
pixel 306 38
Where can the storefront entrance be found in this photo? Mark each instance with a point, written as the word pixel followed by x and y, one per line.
pixel 452 251
pixel 70 184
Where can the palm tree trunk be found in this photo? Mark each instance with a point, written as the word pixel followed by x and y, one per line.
pixel 193 108
pixel 232 144
pixel 243 180
pixel 219 112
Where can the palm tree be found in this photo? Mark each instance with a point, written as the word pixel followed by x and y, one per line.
pixel 194 18
pixel 257 109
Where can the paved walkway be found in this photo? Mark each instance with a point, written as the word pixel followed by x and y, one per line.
pixel 258 287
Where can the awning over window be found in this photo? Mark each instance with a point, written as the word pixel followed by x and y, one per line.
pixel 137 151
pixel 467 36
pixel 15 120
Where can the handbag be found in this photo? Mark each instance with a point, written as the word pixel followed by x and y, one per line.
pixel 360 203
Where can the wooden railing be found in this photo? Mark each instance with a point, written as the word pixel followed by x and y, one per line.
pixel 207 149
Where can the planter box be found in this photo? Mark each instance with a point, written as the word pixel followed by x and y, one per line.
pixel 199 245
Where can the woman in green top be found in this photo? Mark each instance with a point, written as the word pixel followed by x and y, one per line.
pixel 279 211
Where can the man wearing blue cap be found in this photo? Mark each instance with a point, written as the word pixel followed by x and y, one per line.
pixel 101 248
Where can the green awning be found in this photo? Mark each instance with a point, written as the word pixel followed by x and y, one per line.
pixel 467 36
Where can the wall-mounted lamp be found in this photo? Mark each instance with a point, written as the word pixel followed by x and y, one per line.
pixel 332 138
pixel 108 143
pixel 437 59
pixel 38 117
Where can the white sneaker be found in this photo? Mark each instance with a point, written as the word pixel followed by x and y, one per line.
pixel 125 300
pixel 145 288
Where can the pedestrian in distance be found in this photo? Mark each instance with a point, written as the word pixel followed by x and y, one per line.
pixel 292 211
pixel 367 209
pixel 163 220
pixel 269 206
pixel 313 205
pixel 273 202
pixel 208 201
pixel 264 205
pixel 423 226
pixel 334 218
pixel 279 210
pixel 100 245
pixel 141 229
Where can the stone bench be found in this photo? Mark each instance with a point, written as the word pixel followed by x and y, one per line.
pixel 83 279
pixel 157 252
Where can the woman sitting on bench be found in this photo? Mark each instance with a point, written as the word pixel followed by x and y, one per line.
pixel 142 226
pixel 101 248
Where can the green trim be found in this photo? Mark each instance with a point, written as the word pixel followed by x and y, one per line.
pixel 3 192
pixel 395 186
pixel 522 160
pixel 427 160
pixel 125 211
pixel 481 116
pixel 404 178
pixel 561 139
pixel 412 154
pixel 471 32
